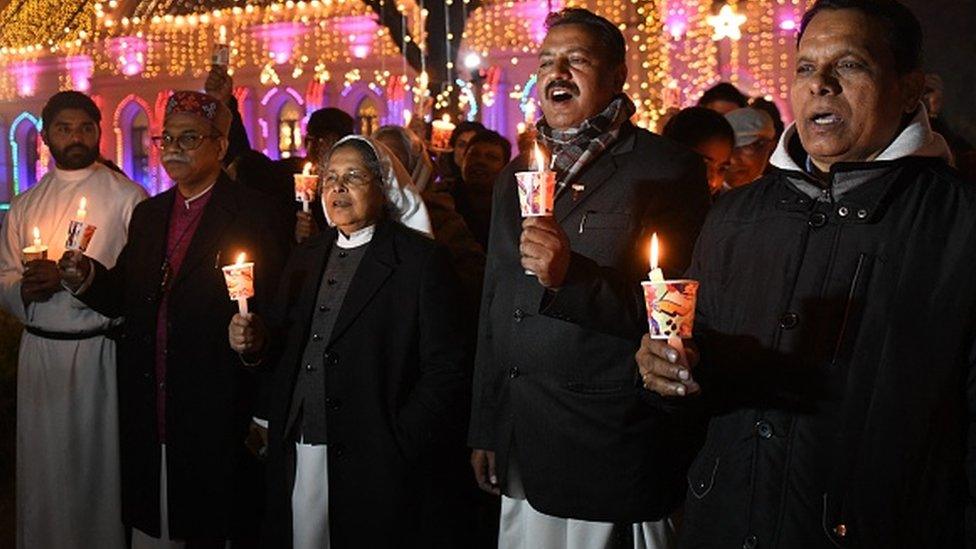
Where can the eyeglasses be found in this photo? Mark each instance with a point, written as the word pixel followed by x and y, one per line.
pixel 349 180
pixel 185 141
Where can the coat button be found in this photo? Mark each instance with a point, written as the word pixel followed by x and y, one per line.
pixel 323 309
pixel 764 429
pixel 518 315
pixel 335 405
pixel 316 337
pixel 331 282
pixel 789 321
pixel 330 357
pixel 843 211
pixel 862 214
pixel 343 254
pixel 817 220
pixel 751 542
pixel 513 372
pixel 309 367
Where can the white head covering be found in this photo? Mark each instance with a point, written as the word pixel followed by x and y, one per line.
pixel 418 161
pixel 402 197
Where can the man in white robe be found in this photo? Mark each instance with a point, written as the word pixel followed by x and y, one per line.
pixel 67 422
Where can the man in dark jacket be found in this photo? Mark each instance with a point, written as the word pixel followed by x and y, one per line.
pixel 836 315
pixel 580 452
pixel 185 400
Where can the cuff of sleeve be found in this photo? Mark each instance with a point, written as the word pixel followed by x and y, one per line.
pixel 263 423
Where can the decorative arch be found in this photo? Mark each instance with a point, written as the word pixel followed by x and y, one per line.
pixel 24 137
pixel 133 124
pixel 352 98
pixel 283 116
pixel 245 106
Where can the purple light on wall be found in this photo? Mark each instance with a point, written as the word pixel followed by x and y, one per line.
pixel 534 13
pixel 25 73
pixel 360 31
pixel 129 53
pixel 787 21
pixel 80 69
pixel 676 24
pixel 279 39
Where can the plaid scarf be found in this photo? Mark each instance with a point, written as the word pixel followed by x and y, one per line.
pixel 573 149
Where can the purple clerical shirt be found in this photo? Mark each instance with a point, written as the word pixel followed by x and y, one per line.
pixel 183 222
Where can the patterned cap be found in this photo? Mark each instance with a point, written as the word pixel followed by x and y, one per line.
pixel 202 106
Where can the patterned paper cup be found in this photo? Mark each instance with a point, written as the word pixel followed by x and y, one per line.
pixel 240 280
pixel 536 191
pixel 79 235
pixel 305 187
pixel 670 307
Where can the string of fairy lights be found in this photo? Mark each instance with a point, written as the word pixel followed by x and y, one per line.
pixel 677 48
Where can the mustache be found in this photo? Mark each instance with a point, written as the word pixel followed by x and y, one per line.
pixel 76 146
pixel 174 157
pixel 561 83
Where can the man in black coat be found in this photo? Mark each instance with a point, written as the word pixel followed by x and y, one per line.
pixel 836 315
pixel 559 424
pixel 185 400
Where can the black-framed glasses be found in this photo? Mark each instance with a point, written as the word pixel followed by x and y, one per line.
pixel 349 180
pixel 185 141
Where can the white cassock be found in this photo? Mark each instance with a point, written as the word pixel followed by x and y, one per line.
pixel 523 527
pixel 68 486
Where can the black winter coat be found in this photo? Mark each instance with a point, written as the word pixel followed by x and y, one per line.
pixel 836 338
pixel 214 483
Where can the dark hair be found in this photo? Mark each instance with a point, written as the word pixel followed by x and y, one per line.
pixel 69 100
pixel 465 127
pixel 490 137
pixel 900 26
pixel 695 125
pixel 770 108
pixel 723 91
pixel 329 121
pixel 368 155
pixel 606 32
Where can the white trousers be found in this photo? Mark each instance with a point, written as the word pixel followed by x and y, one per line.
pixel 523 527
pixel 310 497
pixel 142 540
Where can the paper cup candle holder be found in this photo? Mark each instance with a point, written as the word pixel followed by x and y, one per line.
pixel 240 281
pixel 305 187
pixel 536 188
pixel 670 303
pixel 35 251
pixel 80 232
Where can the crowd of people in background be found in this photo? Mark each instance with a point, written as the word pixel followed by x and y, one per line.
pixel 422 366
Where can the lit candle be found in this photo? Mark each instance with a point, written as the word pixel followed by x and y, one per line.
pixel 240 281
pixel 407 117
pixel 440 135
pixel 655 275
pixel 305 186
pixel 37 250
pixel 82 211
pixel 520 128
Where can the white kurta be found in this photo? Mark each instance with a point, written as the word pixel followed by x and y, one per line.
pixel 68 486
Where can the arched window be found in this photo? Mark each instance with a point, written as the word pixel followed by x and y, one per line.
pixel 132 132
pixel 289 130
pixel 367 116
pixel 139 150
pixel 29 155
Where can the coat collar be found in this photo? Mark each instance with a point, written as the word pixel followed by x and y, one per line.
pixel 217 216
pixel 597 174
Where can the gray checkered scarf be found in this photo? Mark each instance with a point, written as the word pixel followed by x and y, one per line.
pixel 573 149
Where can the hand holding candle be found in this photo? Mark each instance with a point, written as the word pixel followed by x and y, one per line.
pixel 240 282
pixel 35 251
pixel 80 232
pixel 670 303
pixel 305 184
pixel 537 187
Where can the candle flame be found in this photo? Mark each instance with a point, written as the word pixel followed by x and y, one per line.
pixel 82 204
pixel 407 117
pixel 37 234
pixel 540 158
pixel 654 251
pixel 307 170
pixel 446 118
pixel 241 257
pixel 223 34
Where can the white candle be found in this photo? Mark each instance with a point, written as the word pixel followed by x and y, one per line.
pixel 655 275
pixel 82 211
pixel 37 237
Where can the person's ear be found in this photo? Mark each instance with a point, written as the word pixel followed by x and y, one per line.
pixel 912 90
pixel 620 77
pixel 222 145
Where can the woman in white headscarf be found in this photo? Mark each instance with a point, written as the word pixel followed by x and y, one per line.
pixel 450 229
pixel 366 353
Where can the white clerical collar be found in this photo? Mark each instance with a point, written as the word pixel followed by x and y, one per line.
pixel 73 176
pixel 356 239
pixel 188 201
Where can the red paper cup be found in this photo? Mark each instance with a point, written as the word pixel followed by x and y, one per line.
pixel 536 192
pixel 79 235
pixel 670 307
pixel 240 280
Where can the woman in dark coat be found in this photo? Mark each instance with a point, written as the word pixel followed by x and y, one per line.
pixel 367 353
